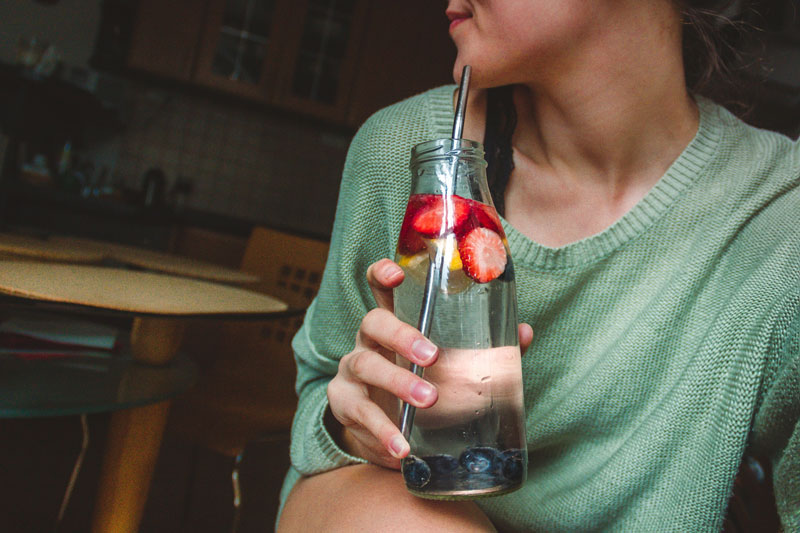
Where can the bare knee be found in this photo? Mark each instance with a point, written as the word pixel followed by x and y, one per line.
pixel 370 498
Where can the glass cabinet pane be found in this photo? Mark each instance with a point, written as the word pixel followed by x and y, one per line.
pixel 243 40
pixel 322 49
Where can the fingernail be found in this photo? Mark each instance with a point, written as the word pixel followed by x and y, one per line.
pixel 421 391
pixel 423 349
pixel 398 446
pixel 391 271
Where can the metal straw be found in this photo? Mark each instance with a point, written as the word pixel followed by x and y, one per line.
pixel 461 105
pixel 436 267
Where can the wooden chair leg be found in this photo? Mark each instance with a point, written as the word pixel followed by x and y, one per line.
pixel 132 448
pixel 134 437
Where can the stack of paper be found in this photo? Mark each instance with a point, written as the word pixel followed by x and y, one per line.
pixel 47 336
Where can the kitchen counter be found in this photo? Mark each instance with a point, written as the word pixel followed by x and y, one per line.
pixel 47 209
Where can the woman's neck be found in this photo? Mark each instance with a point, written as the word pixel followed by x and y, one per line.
pixel 578 172
pixel 598 124
pixel 611 109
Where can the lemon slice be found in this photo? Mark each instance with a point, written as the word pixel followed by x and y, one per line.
pixel 443 243
pixel 457 281
pixel 415 265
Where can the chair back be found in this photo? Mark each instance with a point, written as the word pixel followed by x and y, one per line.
pixel 247 369
pixel 290 267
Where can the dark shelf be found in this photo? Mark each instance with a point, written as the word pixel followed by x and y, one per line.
pixel 75 384
pixel 49 109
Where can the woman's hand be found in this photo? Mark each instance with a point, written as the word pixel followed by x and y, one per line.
pixel 364 394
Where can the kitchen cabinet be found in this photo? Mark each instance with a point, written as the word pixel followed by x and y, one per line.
pixel 339 60
pixel 239 49
pixel 165 37
pixel 325 48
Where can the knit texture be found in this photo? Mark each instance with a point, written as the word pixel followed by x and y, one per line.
pixel 664 346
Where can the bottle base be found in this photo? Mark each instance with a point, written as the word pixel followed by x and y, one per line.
pixel 467 494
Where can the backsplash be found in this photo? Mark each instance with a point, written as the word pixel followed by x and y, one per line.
pixel 242 162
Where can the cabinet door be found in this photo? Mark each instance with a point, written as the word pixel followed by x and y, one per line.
pixel 322 49
pixel 165 36
pixel 406 50
pixel 240 47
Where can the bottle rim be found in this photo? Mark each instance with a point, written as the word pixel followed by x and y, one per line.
pixel 446 149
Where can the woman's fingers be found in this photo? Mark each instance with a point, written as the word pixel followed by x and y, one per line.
pixel 374 420
pixel 525 337
pixel 352 406
pixel 382 277
pixel 382 331
pixel 365 420
pixel 367 431
pixel 370 368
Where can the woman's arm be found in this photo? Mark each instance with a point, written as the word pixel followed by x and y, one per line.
pixel 776 429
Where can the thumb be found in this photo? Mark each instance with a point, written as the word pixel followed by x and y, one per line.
pixel 382 277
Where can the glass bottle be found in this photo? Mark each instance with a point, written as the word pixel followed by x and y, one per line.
pixel 471 442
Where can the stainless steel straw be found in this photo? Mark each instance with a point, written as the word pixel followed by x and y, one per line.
pixel 436 267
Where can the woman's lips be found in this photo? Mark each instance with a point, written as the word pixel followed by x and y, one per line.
pixel 456 19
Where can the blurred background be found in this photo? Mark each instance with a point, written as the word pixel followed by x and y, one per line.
pixel 232 111
pixel 182 125
pixel 228 113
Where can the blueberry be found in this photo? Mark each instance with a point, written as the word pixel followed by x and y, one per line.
pixel 416 472
pixel 512 461
pixel 479 459
pixel 442 464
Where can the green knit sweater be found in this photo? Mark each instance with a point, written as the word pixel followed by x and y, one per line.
pixel 665 345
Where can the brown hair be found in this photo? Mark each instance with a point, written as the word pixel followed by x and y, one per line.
pixel 721 51
pixel 722 61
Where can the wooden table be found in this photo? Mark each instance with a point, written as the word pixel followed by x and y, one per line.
pixel 28 246
pixel 69 249
pixel 155 260
pixel 158 305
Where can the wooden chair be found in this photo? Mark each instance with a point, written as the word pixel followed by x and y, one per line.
pixel 245 390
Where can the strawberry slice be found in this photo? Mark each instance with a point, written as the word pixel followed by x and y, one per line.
pixel 429 220
pixel 410 242
pixel 481 216
pixel 487 217
pixel 483 254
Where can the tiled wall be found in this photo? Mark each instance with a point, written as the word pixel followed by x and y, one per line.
pixel 243 162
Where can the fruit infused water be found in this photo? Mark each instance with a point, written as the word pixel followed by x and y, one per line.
pixel 471 442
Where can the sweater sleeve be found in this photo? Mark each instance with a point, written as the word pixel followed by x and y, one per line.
pixel 776 427
pixel 363 233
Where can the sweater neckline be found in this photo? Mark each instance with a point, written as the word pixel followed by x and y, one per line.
pixel 688 168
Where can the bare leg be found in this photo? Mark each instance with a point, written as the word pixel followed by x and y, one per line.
pixel 371 498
